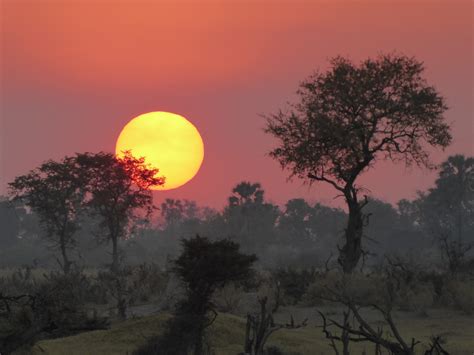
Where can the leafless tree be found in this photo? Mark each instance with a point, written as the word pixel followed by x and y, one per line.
pixel 261 326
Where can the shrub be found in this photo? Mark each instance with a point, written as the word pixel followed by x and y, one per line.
pixel 415 297
pixel 294 283
pixel 460 294
pixel 203 267
pixel 148 281
pixel 53 307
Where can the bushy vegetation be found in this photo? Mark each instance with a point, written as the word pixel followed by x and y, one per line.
pixel 36 304
pixel 51 307
pixel 94 212
pixel 203 267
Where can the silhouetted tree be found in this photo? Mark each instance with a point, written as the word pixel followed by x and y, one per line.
pixel 203 267
pixel 54 191
pixel 447 210
pixel 172 212
pixel 294 223
pixel 260 326
pixel 350 117
pixel 383 231
pixel 327 222
pixel 118 192
pixel 248 215
pixel 180 216
pixel 348 291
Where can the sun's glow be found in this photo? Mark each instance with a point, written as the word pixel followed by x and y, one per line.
pixel 168 142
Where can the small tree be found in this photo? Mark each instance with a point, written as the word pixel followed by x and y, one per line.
pixel 260 326
pixel 203 267
pixel 352 116
pixel 54 191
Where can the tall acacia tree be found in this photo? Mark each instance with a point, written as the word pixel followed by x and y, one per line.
pixel 54 191
pixel 118 190
pixel 351 116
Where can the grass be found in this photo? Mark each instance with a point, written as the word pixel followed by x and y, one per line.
pixel 227 336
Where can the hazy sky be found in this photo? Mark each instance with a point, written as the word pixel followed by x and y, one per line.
pixel 73 73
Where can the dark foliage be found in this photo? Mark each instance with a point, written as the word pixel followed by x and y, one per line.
pixel 350 117
pixel 248 214
pixel 54 191
pixel 117 189
pixel 446 211
pixel 203 267
pixel 52 308
pixel 294 283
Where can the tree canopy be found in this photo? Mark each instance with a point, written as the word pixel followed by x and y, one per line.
pixel 117 190
pixel 55 192
pixel 353 115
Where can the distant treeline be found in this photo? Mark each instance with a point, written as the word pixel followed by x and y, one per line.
pixel 299 234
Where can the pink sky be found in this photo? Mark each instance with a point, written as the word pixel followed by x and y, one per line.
pixel 73 73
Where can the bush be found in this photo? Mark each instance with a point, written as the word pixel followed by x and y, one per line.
pixel 416 297
pixel 130 285
pixel 460 294
pixel 179 338
pixel 227 299
pixel 294 283
pixel 148 281
pixel 51 307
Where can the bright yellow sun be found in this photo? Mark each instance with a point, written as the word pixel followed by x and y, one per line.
pixel 168 142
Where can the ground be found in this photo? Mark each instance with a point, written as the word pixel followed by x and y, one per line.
pixel 227 334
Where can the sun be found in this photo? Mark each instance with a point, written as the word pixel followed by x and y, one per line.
pixel 168 142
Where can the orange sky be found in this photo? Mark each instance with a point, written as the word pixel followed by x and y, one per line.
pixel 74 72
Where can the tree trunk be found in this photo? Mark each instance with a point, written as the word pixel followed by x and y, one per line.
pixel 121 303
pixel 66 265
pixel 115 256
pixel 248 342
pixel 351 252
pixel 119 282
pixel 199 336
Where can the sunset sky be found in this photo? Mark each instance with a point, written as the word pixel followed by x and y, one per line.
pixel 73 73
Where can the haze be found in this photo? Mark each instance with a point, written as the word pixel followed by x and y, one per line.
pixel 73 73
